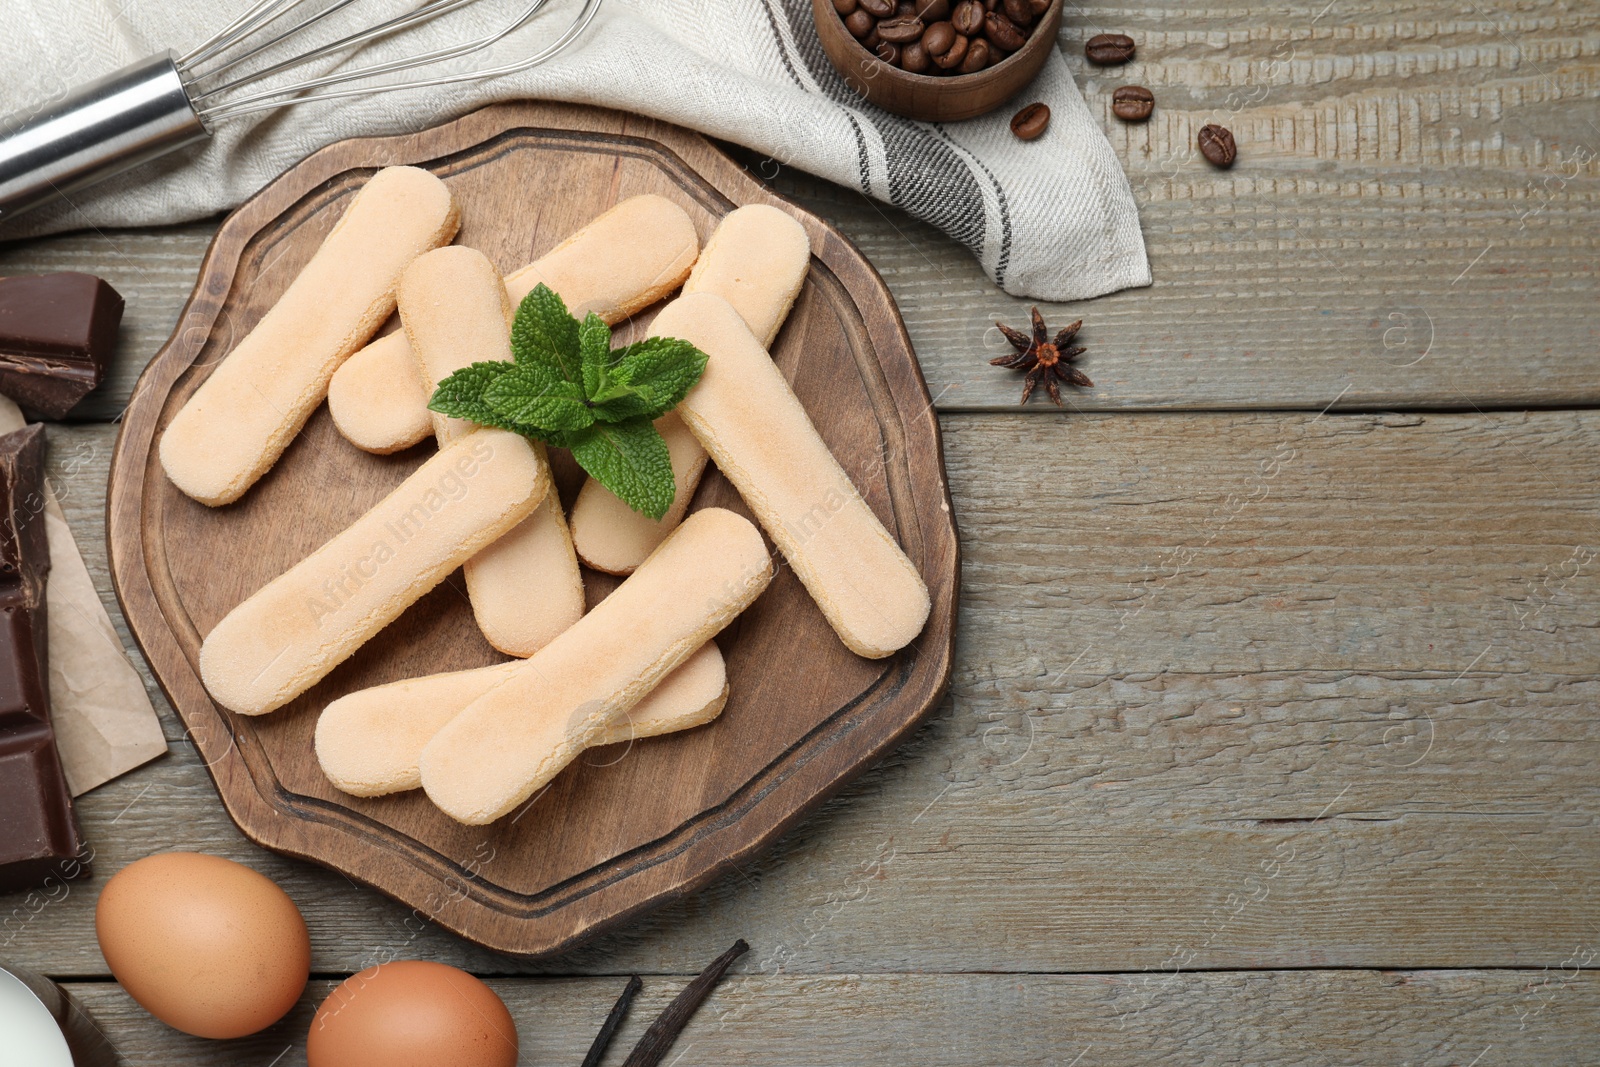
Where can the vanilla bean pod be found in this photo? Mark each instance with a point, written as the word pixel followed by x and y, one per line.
pixel 653 1046
pixel 608 1029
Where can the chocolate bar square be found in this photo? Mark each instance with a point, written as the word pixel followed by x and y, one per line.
pixel 38 831
pixel 57 333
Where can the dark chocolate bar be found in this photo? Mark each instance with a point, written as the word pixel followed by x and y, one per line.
pixel 57 332
pixel 38 831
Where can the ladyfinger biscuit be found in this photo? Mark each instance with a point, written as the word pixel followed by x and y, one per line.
pixel 756 260
pixel 748 418
pixel 518 736
pixel 525 588
pixel 369 743
pixel 377 400
pixel 627 259
pixel 455 312
pixel 298 627
pixel 237 424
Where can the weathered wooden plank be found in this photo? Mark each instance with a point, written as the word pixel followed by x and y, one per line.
pixel 1334 710
pixel 1415 190
pixel 971 1020
pixel 1413 220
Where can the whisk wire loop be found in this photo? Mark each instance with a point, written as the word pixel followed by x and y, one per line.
pixel 164 102
pixel 305 91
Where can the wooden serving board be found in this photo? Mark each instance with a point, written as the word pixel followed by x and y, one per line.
pixel 626 827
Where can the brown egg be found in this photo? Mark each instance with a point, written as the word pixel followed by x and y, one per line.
pixel 206 945
pixel 412 1013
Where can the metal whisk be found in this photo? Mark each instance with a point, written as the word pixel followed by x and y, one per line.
pixel 167 101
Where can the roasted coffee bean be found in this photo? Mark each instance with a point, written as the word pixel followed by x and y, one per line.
pixel 901 30
pixel 859 23
pixel 968 18
pixel 889 53
pixel 905 9
pixel 1039 7
pixel 938 38
pixel 933 10
pixel 871 41
pixel 1133 103
pixel 914 58
pixel 1002 31
pixel 878 9
pixel 1018 11
pixel 1216 144
pixel 952 57
pixel 845 7
pixel 1106 49
pixel 1031 121
pixel 977 56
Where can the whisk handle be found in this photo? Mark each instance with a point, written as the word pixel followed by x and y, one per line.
pixel 103 128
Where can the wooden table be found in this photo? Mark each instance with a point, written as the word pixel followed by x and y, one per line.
pixel 1272 733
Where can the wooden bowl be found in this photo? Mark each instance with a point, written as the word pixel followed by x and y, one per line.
pixel 921 96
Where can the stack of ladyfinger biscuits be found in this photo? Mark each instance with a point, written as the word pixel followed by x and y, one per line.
pixel 641 663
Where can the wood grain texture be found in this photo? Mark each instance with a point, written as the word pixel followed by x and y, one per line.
pixel 1414 217
pixel 1311 1018
pixel 1347 725
pixel 1384 147
pixel 611 837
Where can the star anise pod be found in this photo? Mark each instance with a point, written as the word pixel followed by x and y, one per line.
pixel 1042 360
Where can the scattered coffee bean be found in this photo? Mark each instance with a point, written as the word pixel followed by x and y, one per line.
pixel 914 58
pixel 967 19
pixel 938 38
pixel 1018 11
pixel 1217 145
pixel 859 23
pixel 977 57
pixel 901 30
pixel 953 56
pixel 1031 121
pixel 1133 103
pixel 1106 49
pixel 845 7
pixel 1002 31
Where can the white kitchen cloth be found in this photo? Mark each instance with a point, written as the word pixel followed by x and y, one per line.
pixel 1052 219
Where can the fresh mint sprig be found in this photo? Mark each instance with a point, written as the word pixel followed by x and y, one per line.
pixel 566 386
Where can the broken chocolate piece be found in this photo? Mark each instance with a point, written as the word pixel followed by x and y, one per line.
pixel 38 833
pixel 57 332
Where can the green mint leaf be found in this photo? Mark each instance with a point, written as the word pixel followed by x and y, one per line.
pixel 533 395
pixel 594 350
pixel 630 459
pixel 659 370
pixel 544 333
pixel 460 396
pixel 623 404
